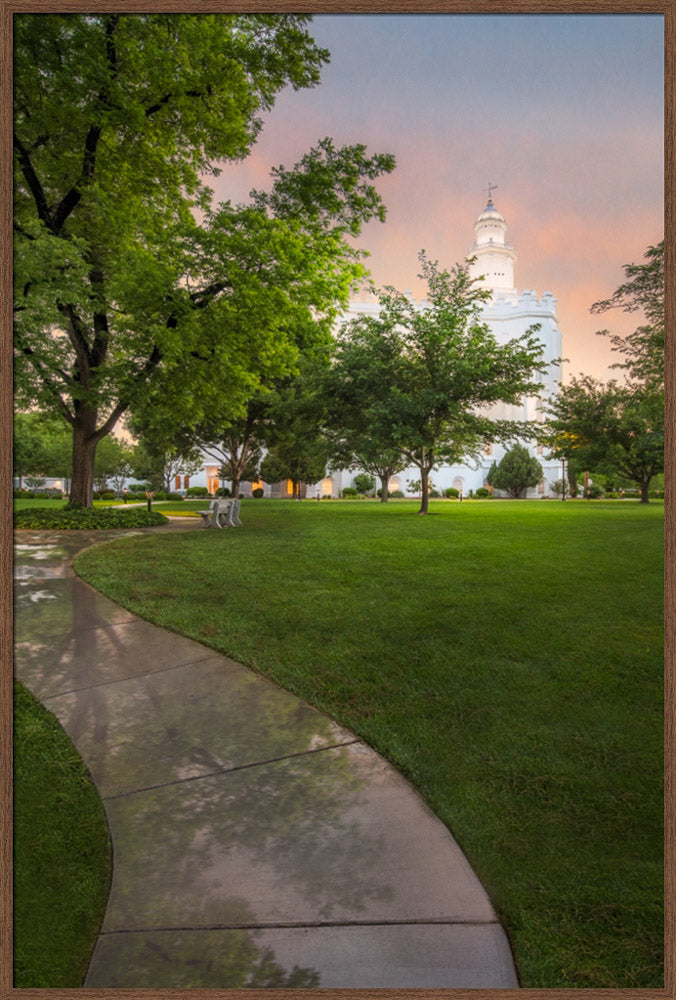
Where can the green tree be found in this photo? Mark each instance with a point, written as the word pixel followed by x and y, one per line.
pixel 127 279
pixel 515 472
pixel 643 291
pixel 298 449
pixel 610 427
pixel 364 483
pixel 355 389
pixel 618 428
pixel 446 369
pixel 41 446
pixel 237 444
pixel 113 457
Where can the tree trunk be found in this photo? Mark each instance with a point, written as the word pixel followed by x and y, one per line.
pixel 234 483
pixel 84 452
pixel 384 479
pixel 425 490
pixel 645 485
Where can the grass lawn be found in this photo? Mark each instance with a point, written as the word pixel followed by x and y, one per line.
pixel 506 656
pixel 62 852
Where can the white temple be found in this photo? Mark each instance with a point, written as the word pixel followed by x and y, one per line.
pixel 509 313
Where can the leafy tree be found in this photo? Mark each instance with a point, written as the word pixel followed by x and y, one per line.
pixel 515 472
pixel 41 446
pixel 237 444
pixel 619 428
pixel 445 370
pixel 355 389
pixel 113 457
pixel 364 483
pixel 643 291
pixel 610 427
pixel 298 449
pixel 157 461
pixel 127 279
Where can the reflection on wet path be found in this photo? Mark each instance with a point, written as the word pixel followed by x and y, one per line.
pixel 256 843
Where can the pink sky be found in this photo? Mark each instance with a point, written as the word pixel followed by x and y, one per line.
pixel 563 113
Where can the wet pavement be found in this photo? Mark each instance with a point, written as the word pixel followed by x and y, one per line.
pixel 256 843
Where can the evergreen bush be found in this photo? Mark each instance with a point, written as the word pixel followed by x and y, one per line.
pixel 451 493
pixel 197 491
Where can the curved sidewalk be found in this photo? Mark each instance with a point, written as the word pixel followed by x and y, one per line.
pixel 255 842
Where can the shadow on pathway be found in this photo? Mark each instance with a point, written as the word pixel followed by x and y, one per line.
pixel 255 842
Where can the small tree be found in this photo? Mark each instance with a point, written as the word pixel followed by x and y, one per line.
pixel 446 370
pixel 516 472
pixel 364 483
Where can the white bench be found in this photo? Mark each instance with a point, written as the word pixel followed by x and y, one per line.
pixel 222 514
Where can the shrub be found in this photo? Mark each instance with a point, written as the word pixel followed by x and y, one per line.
pixel 160 495
pixel 434 494
pixel 107 494
pixel 349 492
pixel 364 483
pixel 175 496
pixel 139 488
pixel 222 491
pixel 258 492
pixel 396 495
pixel 197 491
pixel 593 492
pixel 482 493
pixel 88 518
pixel 451 493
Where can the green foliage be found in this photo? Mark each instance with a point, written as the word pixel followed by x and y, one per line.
pixel 618 429
pixel 298 449
pixel 429 373
pixel 349 492
pixel 258 492
pixel 134 292
pixel 364 483
pixel 451 493
pixel 593 492
pixel 197 491
pixel 61 852
pixel 223 491
pixel 74 519
pixel 42 445
pixel 482 493
pixel 610 427
pixel 643 291
pixel 516 472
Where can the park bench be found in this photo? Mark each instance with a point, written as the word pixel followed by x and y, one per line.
pixel 222 514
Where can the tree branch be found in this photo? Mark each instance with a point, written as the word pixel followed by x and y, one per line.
pixel 34 184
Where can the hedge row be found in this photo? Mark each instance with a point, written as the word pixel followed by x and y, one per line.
pixel 87 518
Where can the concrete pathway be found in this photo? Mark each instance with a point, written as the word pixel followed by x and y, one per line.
pixel 255 842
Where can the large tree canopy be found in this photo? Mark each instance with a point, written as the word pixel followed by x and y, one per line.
pixel 129 283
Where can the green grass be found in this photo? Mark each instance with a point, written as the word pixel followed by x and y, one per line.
pixel 62 852
pixel 506 656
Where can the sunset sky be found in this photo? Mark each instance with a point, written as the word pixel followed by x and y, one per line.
pixel 563 113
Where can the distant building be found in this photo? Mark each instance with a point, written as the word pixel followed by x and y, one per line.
pixel 509 313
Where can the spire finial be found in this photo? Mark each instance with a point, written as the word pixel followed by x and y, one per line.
pixel 491 188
